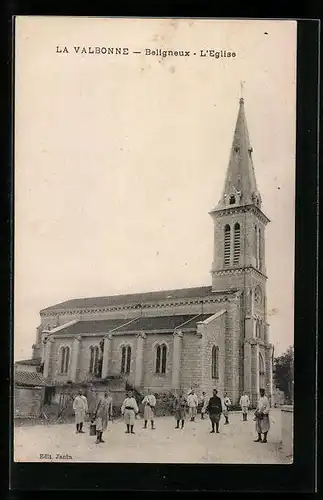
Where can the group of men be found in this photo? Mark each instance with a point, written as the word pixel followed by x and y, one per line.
pixel 182 405
pixel 193 405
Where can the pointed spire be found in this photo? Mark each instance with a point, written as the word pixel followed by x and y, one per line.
pixel 240 187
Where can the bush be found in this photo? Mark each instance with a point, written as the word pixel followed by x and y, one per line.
pixel 164 404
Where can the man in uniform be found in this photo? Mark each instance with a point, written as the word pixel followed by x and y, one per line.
pixel 214 409
pixel 192 402
pixel 103 414
pixel 180 405
pixel 80 408
pixel 129 410
pixel 262 417
pixel 244 403
pixel 226 408
pixel 203 404
pixel 149 403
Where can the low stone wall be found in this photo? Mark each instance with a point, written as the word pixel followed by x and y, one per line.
pixel 28 401
pixel 287 423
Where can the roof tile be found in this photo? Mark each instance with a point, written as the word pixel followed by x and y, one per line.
pixel 29 379
pixel 166 323
pixel 136 298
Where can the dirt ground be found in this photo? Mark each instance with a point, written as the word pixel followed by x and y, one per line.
pixel 165 444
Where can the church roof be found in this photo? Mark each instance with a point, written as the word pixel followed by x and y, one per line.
pixel 136 298
pixel 146 323
pixel 240 176
pixel 31 379
pixel 30 362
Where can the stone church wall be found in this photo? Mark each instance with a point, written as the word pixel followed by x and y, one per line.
pixel 116 355
pixel 85 356
pixel 213 334
pixel 54 368
pixel 191 362
pixel 157 382
pixel 233 343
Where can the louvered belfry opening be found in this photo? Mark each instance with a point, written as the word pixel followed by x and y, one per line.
pixel 259 248
pixel 236 245
pixel 227 241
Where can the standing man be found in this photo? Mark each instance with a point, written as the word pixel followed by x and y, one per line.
pixel 244 403
pixel 80 408
pixel 262 417
pixel 180 405
pixel 214 408
pixel 226 407
pixel 192 405
pixel 203 404
pixel 103 414
pixel 149 403
pixel 129 410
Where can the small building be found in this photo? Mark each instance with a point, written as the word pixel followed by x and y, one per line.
pixel 28 365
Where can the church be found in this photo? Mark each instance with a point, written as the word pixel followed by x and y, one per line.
pixel 214 336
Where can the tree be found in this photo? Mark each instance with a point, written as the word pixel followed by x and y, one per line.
pixel 284 373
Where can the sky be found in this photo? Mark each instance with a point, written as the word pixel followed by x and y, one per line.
pixel 119 158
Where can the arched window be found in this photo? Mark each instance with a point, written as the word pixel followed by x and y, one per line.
pixel 65 358
pixel 94 359
pixel 227 244
pixel 215 362
pixel 164 359
pixel 128 359
pixel 160 358
pixel 261 372
pixel 232 199
pixel 123 359
pixel 236 244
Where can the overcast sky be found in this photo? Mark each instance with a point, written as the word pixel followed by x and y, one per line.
pixel 119 159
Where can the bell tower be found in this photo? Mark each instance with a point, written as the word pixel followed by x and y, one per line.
pixel 239 253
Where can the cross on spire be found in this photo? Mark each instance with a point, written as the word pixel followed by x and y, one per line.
pixel 241 89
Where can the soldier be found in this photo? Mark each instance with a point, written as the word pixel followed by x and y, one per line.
pixel 180 406
pixel 262 417
pixel 80 408
pixel 103 413
pixel 192 402
pixel 129 411
pixel 226 408
pixel 214 409
pixel 244 403
pixel 203 404
pixel 149 403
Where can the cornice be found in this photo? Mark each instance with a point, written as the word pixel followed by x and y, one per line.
pixel 238 270
pixel 231 210
pixel 257 341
